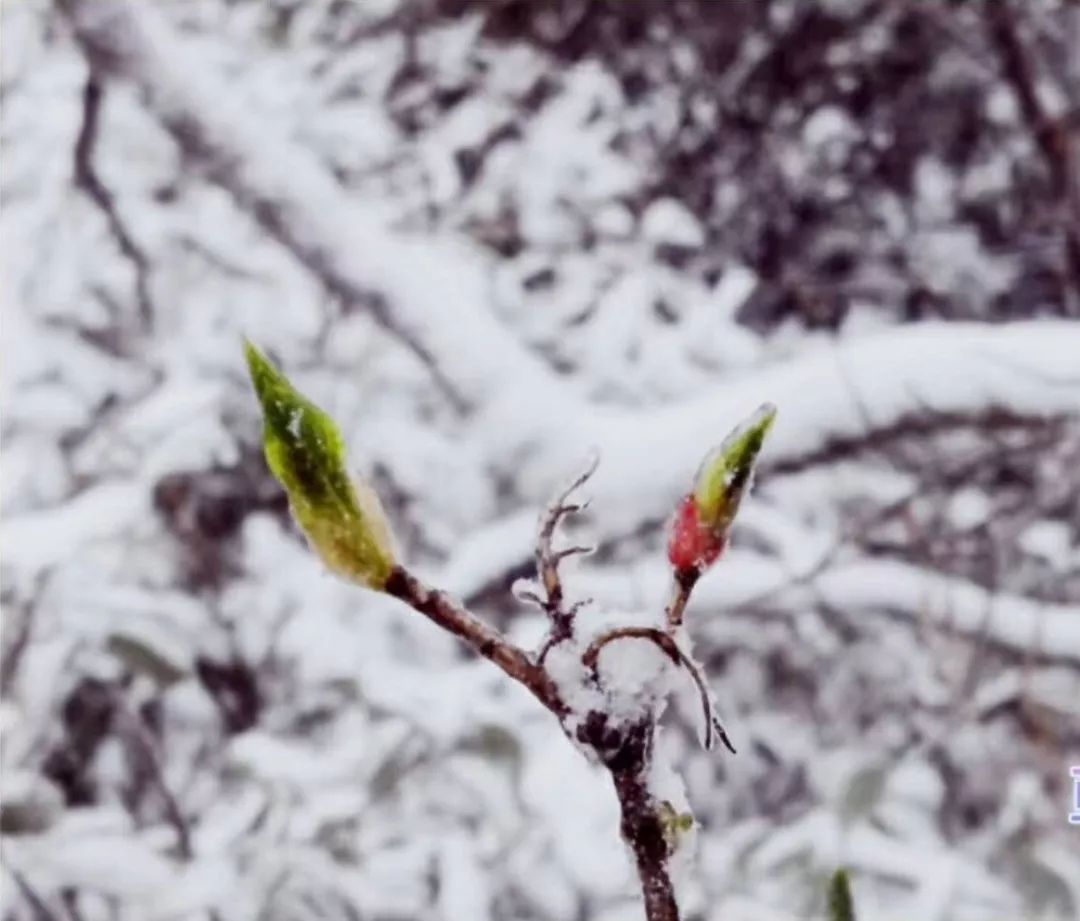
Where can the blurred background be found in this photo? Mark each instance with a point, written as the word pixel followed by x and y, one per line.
pixel 487 237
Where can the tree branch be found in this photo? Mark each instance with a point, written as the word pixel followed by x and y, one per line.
pixel 427 291
pixel 626 752
pixel 548 560
pixel 667 644
pixel 41 910
pixel 143 748
pixel 682 586
pixel 87 179
pixel 838 400
pixel 642 827
pixel 1027 369
pixel 1051 135
pixel 482 639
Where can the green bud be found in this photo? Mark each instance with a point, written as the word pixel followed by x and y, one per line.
pixel 343 520
pixel 841 905
pixel 727 471
pixel 673 824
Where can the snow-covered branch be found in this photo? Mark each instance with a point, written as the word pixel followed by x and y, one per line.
pixel 834 396
pixel 873 586
pixel 87 179
pixel 426 291
pixel 1020 624
pixel 836 400
pixel 613 714
pixel 846 393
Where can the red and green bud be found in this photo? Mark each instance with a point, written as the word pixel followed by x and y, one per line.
pixel 704 517
pixel 342 518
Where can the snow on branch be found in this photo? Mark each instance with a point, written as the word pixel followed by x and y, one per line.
pixel 1014 622
pixel 1010 621
pixel 838 400
pixel 430 293
pixel 613 711
pixel 427 291
pixel 836 397
pixel 848 394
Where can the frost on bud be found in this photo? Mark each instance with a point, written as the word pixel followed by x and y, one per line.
pixel 703 518
pixel 343 520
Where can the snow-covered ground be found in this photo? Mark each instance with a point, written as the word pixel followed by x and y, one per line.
pixel 458 243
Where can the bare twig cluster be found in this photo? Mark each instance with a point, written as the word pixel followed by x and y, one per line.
pixel 624 748
pixel 613 717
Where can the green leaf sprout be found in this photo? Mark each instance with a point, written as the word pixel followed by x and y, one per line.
pixel 342 519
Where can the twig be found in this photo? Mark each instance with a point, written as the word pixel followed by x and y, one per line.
pixel 143 746
pixel 41 910
pixel 18 641
pixel 641 825
pixel 548 559
pixel 685 580
pixel 1051 135
pixel 666 643
pixel 482 639
pixel 87 179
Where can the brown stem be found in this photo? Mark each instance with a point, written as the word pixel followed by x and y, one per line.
pixel 591 657
pixel 87 179
pixel 685 580
pixel 482 639
pixel 641 826
pixel 548 558
pixel 144 747
pixel 666 643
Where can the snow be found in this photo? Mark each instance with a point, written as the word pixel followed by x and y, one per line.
pixel 1050 540
pixel 42 539
pixel 667 787
pixel 387 773
pixel 969 508
pixel 668 221
pixel 830 127
pixel 94 852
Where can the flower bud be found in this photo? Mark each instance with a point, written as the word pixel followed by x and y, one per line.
pixel 343 520
pixel 704 517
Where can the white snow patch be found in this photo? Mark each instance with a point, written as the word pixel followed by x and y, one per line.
pixel 668 221
pixel 1050 540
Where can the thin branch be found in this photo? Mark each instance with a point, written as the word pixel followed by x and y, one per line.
pixel 18 641
pixel 548 559
pixel 666 643
pixel 481 638
pixel 641 826
pixel 682 586
pixel 143 746
pixel 41 910
pixel 401 280
pixel 87 179
pixel 1051 134
pixel 555 637
pixel 876 437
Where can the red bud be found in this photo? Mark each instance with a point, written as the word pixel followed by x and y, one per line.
pixel 692 545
